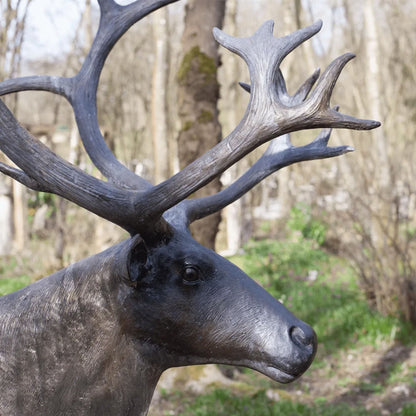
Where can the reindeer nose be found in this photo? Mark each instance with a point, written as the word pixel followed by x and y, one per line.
pixel 303 337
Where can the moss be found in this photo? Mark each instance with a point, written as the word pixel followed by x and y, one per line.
pixel 186 125
pixel 203 63
pixel 205 117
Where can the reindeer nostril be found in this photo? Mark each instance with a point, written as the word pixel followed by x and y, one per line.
pixel 302 337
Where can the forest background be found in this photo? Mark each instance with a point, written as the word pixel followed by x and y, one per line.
pixel 360 207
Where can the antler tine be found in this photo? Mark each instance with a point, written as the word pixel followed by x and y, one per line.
pixel 319 100
pixel 299 95
pixel 21 177
pixel 56 85
pixel 41 169
pixel 304 90
pixel 263 48
pixel 115 20
pixel 267 82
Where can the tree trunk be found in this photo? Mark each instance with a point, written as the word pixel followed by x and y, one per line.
pixel 383 180
pixel 19 214
pixel 198 97
pixel 159 96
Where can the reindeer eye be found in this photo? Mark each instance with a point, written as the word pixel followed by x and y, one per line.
pixel 190 275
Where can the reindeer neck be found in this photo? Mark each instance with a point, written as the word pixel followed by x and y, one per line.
pixel 77 343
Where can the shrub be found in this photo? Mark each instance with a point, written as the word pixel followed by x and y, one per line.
pixel 301 219
pixel 382 247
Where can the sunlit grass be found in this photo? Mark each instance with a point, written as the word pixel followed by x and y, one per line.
pixel 222 402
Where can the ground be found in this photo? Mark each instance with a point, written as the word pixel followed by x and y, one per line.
pixel 379 378
pixel 382 377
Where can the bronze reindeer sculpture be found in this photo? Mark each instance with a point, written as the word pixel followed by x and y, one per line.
pixel 93 338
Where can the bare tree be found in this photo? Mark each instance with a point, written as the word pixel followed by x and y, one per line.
pixel 386 265
pixel 12 30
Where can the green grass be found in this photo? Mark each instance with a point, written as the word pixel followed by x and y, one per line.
pixel 8 285
pixel 398 373
pixel 222 402
pixel 13 274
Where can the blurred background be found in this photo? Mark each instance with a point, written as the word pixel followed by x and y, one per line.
pixel 338 235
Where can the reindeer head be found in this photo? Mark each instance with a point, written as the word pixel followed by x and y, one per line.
pixel 194 307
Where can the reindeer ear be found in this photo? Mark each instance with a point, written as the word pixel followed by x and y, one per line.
pixel 137 260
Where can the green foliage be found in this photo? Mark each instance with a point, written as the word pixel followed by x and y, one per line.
pixel 301 220
pixel 272 262
pixel 13 275
pixel 370 387
pixel 321 290
pixel 37 199
pixel 408 409
pixel 398 372
pixel 290 258
pixel 224 403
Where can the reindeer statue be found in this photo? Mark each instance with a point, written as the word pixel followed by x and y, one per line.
pixel 93 338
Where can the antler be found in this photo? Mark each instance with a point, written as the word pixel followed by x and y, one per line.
pixel 130 201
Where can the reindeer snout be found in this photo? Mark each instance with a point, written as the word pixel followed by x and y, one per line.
pixel 303 337
pixel 302 353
